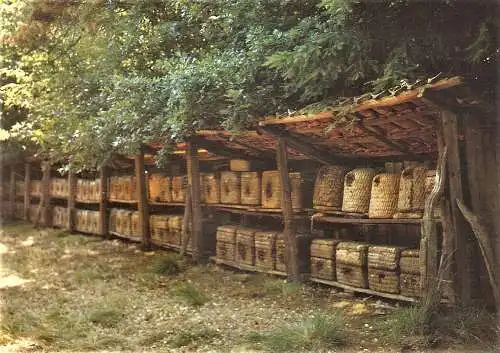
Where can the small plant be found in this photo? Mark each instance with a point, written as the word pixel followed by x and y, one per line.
pixel 105 317
pixel 404 322
pixel 315 333
pixel 193 336
pixel 170 264
pixel 190 294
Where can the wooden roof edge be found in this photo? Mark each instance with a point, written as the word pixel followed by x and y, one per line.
pixel 403 97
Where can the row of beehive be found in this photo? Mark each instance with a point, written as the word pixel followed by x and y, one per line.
pixel 124 222
pixel 59 187
pixel 233 188
pixel 380 195
pixel 87 221
pixel 380 268
pixel 122 188
pixel 263 249
pixel 88 190
pixel 167 230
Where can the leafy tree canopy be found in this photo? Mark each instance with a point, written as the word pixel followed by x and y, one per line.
pixel 85 78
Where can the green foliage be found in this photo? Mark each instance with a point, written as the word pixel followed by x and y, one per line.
pixel 319 332
pixel 88 78
pixel 190 294
pixel 193 336
pixel 170 264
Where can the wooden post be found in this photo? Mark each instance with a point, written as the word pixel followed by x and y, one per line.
pixel 142 199
pixel 12 191
pixel 103 202
pixel 458 226
pixel 291 243
pixel 186 222
pixel 199 253
pixel 27 187
pixel 71 201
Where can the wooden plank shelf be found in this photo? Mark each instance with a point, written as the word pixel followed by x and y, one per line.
pixel 88 202
pixel 255 211
pixel 364 290
pixel 129 237
pixel 342 220
pixel 65 198
pixel 128 202
pixel 248 268
pixel 168 204
pixel 169 246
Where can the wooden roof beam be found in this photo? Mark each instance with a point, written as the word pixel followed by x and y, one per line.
pixel 307 149
pixel 221 150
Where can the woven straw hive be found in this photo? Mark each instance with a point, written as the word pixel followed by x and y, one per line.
pixel 226 242
pixel 82 221
pixel 322 258
pixel 95 190
pixel 245 246
pixel 383 268
pixel 59 216
pixel 93 222
pixel 250 188
pixel 178 187
pixel 265 245
pixel 329 187
pixel 351 259
pixel 230 188
pixel 410 273
pixel 159 227
pixel 357 190
pixel 210 187
pixel 113 214
pixel 280 252
pixel 240 165
pixel 384 196
pixel 125 217
pixel 129 188
pixel 154 189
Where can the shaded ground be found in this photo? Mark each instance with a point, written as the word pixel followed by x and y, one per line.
pixel 64 292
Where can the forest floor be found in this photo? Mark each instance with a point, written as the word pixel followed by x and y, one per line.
pixel 65 292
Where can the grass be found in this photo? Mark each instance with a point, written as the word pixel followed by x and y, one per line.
pixel 318 332
pixel 168 264
pixel 193 336
pixel 105 317
pixel 190 294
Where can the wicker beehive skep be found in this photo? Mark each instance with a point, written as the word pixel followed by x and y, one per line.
pixel 412 190
pixel 329 186
pixel 357 190
pixel 384 195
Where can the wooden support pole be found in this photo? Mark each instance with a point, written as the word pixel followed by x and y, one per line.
pixel 43 212
pixel 193 169
pixel 12 191
pixel 103 202
pixel 71 201
pixel 186 222
pixel 27 187
pixel 142 199
pixel 289 229
pixel 459 226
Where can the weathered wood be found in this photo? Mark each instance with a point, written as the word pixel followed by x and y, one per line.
pixel 459 225
pixel 186 221
pixel 306 149
pixel 43 207
pixel 71 201
pixel 27 187
pixel 429 235
pixel 220 150
pixel 483 239
pixel 142 199
pixel 12 191
pixel 398 146
pixel 292 247
pixel 103 201
pixel 199 251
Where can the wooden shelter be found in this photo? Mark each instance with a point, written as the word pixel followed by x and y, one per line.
pixel 437 124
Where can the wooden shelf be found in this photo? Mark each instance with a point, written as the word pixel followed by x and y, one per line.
pixel 65 198
pixel 128 202
pixel 88 202
pixel 342 220
pixel 256 211
pixel 248 268
pixel 169 246
pixel 155 203
pixel 129 237
pixel 364 290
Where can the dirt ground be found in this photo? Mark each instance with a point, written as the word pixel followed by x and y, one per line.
pixel 77 293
